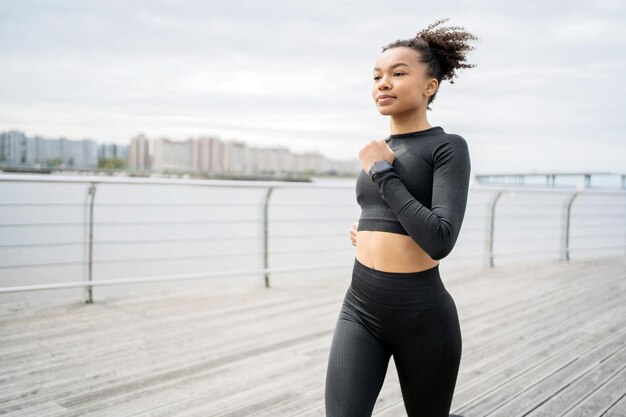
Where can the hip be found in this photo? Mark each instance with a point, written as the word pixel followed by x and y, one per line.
pixel 421 290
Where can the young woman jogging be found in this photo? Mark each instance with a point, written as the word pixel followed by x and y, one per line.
pixel 412 191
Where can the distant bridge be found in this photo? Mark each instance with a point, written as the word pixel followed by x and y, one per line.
pixel 550 178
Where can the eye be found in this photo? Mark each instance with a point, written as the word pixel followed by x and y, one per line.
pixel 376 77
pixel 398 73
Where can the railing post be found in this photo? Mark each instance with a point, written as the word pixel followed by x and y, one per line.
pixel 490 230
pixel 566 226
pixel 88 288
pixel 266 236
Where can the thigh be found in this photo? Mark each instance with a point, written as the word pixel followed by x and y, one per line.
pixel 357 367
pixel 427 357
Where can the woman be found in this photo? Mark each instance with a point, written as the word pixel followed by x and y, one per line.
pixel 413 194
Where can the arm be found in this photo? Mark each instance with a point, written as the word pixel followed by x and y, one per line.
pixel 436 230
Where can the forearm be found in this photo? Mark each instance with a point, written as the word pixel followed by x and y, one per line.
pixel 435 233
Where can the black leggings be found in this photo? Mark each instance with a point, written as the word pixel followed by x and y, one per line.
pixel 409 315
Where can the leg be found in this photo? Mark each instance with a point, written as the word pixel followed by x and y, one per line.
pixel 427 359
pixel 356 368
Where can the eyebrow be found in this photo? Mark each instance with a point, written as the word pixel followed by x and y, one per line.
pixel 393 66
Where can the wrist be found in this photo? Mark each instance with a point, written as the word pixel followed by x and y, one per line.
pixel 378 168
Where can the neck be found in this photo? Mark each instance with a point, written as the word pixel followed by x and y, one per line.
pixel 408 122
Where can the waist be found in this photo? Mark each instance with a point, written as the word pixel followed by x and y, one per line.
pixel 420 290
pixel 392 252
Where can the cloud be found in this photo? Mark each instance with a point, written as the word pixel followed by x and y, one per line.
pixel 299 73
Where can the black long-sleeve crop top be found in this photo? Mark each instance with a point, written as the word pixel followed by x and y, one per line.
pixel 425 195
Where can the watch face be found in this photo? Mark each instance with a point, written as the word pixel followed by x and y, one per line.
pixel 380 165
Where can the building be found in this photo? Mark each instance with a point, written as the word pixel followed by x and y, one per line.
pixel 19 150
pixel 172 155
pixel 139 154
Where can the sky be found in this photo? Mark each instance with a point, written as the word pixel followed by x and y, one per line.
pixel 547 93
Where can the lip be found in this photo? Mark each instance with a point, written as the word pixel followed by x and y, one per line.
pixel 385 99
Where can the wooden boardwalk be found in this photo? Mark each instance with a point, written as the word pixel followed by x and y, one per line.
pixel 545 339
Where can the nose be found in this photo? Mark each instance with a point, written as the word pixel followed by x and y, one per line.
pixel 383 83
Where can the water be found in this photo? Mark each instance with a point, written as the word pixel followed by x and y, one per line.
pixel 155 230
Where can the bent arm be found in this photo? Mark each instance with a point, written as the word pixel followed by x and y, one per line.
pixel 435 230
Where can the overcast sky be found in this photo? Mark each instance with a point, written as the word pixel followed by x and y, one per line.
pixel 547 92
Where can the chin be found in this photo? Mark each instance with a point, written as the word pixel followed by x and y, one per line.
pixel 385 111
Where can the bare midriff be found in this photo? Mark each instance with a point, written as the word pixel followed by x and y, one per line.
pixel 391 252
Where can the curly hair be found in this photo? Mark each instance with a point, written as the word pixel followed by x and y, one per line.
pixel 442 50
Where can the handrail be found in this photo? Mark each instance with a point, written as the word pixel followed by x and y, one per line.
pixel 269 186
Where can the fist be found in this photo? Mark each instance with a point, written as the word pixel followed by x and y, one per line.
pixel 374 151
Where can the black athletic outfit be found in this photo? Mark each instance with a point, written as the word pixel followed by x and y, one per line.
pixel 409 315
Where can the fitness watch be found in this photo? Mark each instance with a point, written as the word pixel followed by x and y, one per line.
pixel 379 167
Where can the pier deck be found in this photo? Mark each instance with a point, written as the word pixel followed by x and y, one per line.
pixel 544 339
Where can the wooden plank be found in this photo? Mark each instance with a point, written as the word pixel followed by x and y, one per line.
pixel 619 408
pixel 569 387
pixel 498 384
pixel 607 398
pixel 563 365
pixel 518 357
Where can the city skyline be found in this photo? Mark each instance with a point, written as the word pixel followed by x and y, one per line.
pixel 546 93
pixel 174 139
pixel 203 154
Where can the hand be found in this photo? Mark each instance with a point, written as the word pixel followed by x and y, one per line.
pixel 374 151
pixel 353 233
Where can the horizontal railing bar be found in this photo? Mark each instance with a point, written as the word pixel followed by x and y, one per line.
pixel 171 258
pixel 555 226
pixel 348 246
pixel 585 204
pixel 122 223
pixel 312 204
pixel 127 260
pixel 573 234
pixel 165 241
pixel 222 238
pixel 531 239
pixel 221 221
pixel 541 189
pixel 305 235
pixel 253 204
pixel 307 219
pixel 483 254
pixel 275 184
pixel 152 222
pixel 556 250
pixel 137 280
pixel 228 204
pixel 175 182
pixel 125 242
pixel 596 247
pixel 578 226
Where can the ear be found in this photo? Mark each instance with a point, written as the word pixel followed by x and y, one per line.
pixel 431 87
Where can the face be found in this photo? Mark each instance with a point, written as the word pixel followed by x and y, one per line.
pixel 399 74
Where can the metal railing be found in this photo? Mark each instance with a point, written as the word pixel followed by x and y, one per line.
pixel 493 195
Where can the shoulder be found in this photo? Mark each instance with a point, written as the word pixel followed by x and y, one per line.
pixel 452 149
pixel 451 142
pixel 453 139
